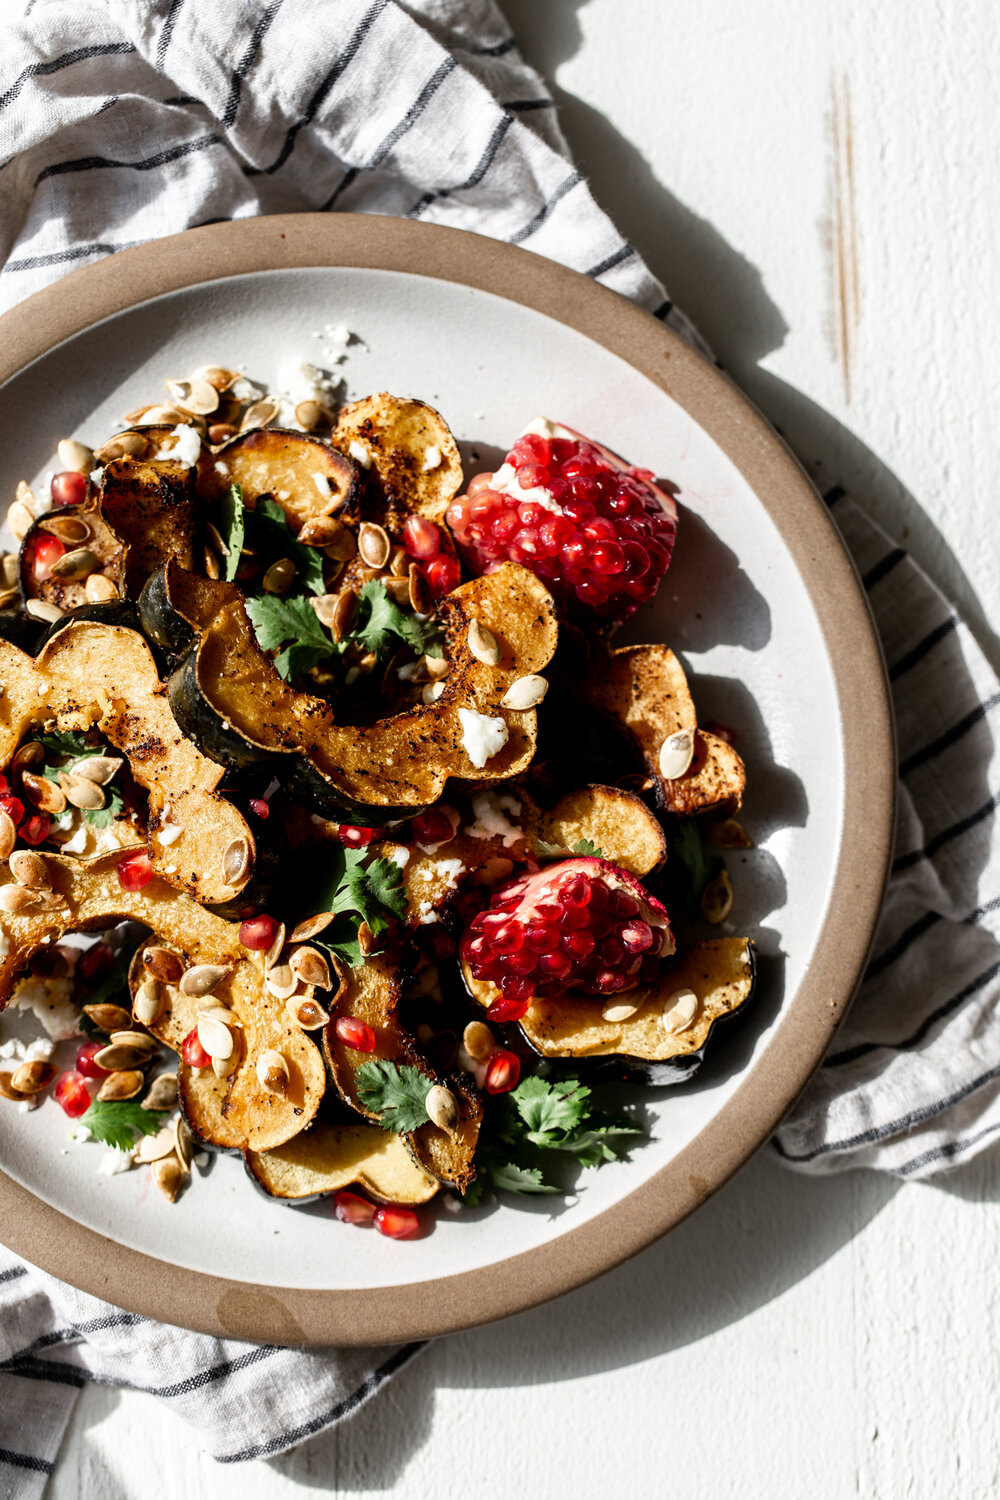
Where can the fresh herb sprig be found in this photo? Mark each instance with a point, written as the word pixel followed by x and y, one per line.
pixel 360 888
pixel 267 528
pixel 397 1093
pixel 69 747
pixel 292 625
pixel 119 1124
pixel 381 624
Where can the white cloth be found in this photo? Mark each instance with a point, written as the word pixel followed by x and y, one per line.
pixel 125 120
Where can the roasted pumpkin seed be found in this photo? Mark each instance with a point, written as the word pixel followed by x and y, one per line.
pixel 398 590
pixel 168 1174
pixel 321 531
pixel 154 1147
pixel 124 1084
pixel 309 965
pixel 158 416
pixel 211 561
pixel 344 614
pixel 478 1041
pixel 676 754
pixel 399 563
pixel 309 414
pixel 442 1108
pixel 221 432
pixel 108 1017
pixel 343 547
pixel 223 1066
pixel 259 414
pixel 19 519
pixel 681 1011
pixel 717 899
pixel 311 927
pixel 33 1077
pixel 277 943
pixel 70 530
pixel 122 1057
pixel 272 1072
pixel 432 692
pixel 42 609
pixel 237 862
pixel 162 1092
pixel 729 834
pixel 325 606
pixel 15 898
pixel 29 868
pixel 217 376
pixel 436 667
pixel 374 545
pixel 419 590
pixel 201 979
pixel 163 964
pixel 148 1002
pixel 99 768
pixel 622 1008
pixel 82 792
pixel 183 1144
pixel 75 456
pixel 199 397
pixel 366 939
pixel 308 1014
pixel 216 1037
pixel 483 644
pixel 281 981
pixel 525 692
pixel 8 834
pixel 9 597
pixel 9 570
pixel 279 577
pixel 132 1038
pixel 99 589
pixel 7 1089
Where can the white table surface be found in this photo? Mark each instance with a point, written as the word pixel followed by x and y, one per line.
pixel 817 186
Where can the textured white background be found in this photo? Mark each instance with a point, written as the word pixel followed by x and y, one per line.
pixel 803 177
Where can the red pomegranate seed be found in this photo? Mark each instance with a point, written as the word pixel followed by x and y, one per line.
pixel 351 1208
pixel 443 574
pixel 12 806
pixel 69 488
pixel 257 933
pixel 4 784
pixel 135 870
pixel 421 538
pixel 35 830
pixel 259 807
pixel 85 1063
pixel 432 827
pixel 355 1033
pixel 481 482
pixel 45 551
pixel 355 838
pixel 510 1007
pixel 72 1093
pixel 94 962
pixel 396 1222
pixel 193 1052
pixel 502 1072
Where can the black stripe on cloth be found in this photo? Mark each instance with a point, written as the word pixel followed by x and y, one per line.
pixel 566 186
pixel 14 1274
pixel 339 68
pixel 161 159
pixel 522 106
pixel 342 186
pixel 611 261
pixel 916 930
pixel 498 49
pixel 851 1054
pixel 163 44
pixel 342 1408
pixel 947 1152
pixel 478 173
pixel 246 62
pixel 50 1373
pixel 208 1377
pixel 950 737
pixel 181 99
pixel 56 64
pixel 884 568
pixel 664 310
pixel 905 1122
pixel 414 112
pixel 76 252
pixel 922 648
pixel 26 1461
pixel 946 835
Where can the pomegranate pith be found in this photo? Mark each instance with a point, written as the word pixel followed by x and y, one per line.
pixel 598 531
pixel 580 924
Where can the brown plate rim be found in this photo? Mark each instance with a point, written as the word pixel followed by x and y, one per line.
pixel 293 1315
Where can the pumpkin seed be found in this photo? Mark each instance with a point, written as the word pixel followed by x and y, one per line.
pixel 478 1041
pixel 237 862
pixel 272 1072
pixel 309 965
pixel 199 397
pixel 158 416
pixel 183 1144
pixel 676 754
pixel 729 834
pixel 33 1077
pixel 208 1005
pixel 77 564
pixel 216 1037
pixel 483 644
pixel 168 1174
pixel 217 376
pixel 99 590
pixel 41 609
pixel 325 606
pixel 107 1017
pixel 681 1011
pixel 223 1066
pixel 99 768
pixel 132 445
pixel 9 570
pixel 309 414
pixel 432 692
pixel 123 1084
pixel 717 899
pixel 200 979
pixel 29 868
pixel 8 834
pixel 75 456
pixel 9 597
pixel 277 943
pixel 442 1108
pixel 419 590
pixel 122 1057
pixel 31 753
pixel 398 590
pixel 344 614
pixel 211 561
pixel 148 1002
pixel 259 414
pixel 374 545
pixel 308 1014
pixel 311 927
pixel 343 547
pixel 15 898
pixel 163 964
pixel 321 531
pixel 154 1147
pixel 526 692
pixel 162 1092
pixel 215 537
pixel 366 939
pixel 281 982
pixel 132 1038
pixel 436 667
pixel 81 792
pixel 399 563
pixel 279 577
pixel 70 530
pixel 617 1009
pixel 19 519
pixel 221 432
pixel 7 1089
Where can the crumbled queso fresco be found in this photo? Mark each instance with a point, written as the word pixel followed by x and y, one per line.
pixel 482 736
pixel 490 821
pixel 49 998
pixel 186 449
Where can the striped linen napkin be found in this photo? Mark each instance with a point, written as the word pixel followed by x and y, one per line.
pixel 125 120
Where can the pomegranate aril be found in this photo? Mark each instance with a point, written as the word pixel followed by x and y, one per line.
pixel 508 938
pixel 421 538
pixel 502 1072
pixel 611 951
pixel 555 966
pixel 637 937
pixel 530 448
pixel 608 557
pixel 72 1094
pixel 355 1033
pixel 457 514
pixel 480 482
pixel 578 945
pixel 351 1208
pixel 85 1063
pixel 12 806
pixel 395 1222
pixel 353 837
pixel 442 574
pixel 259 807
pixel 135 871
pixel 68 488
pixel 258 933
pixel 94 962
pixel 522 962
pixel 576 892
pixel 508 1007
pixel 36 829
pixel 45 553
pixel 193 1052
pixel 432 827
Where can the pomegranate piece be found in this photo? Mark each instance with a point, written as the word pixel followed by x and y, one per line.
pixel 12 806
pixel 72 1094
pixel 580 924
pixel 396 1222
pixel 432 827
pixel 355 838
pixel 46 551
pixel 258 933
pixel 85 1063
pixel 35 830
pixel 259 807
pixel 598 531
pixel 421 538
pixel 135 871
pixel 351 1208
pixel 94 962
pixel 355 1033
pixel 69 488
pixel 502 1072
pixel 443 574
pixel 193 1052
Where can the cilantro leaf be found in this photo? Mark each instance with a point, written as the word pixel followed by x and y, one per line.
pixel 118 1124
pixel 341 881
pixel 292 624
pixel 384 880
pixel 268 525
pixel 697 866
pixel 595 1145
pixel 517 1179
pixel 64 744
pixel 114 804
pixel 382 623
pixel 232 529
pixel 397 1094
pixel 550 1111
pixel 586 846
pixel 547 850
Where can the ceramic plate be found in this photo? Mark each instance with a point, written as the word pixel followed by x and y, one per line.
pixel 761 602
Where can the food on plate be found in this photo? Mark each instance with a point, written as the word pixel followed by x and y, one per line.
pixel 334 830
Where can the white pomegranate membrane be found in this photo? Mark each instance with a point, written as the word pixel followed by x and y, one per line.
pixel 596 530
pixel 579 925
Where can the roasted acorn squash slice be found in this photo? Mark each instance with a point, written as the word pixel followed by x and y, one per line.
pixel 407 447
pixel 326 1158
pixel 304 475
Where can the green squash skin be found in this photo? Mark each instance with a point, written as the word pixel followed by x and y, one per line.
pixel 109 612
pixel 161 621
pixel 23 632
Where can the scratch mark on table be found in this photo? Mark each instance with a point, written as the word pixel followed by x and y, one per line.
pixel 844 235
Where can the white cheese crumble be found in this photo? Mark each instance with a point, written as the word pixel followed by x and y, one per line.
pixel 80 1134
pixel 4 945
pixel 221 468
pixel 490 821
pixel 360 453
pixel 40 1050
pixel 49 999
pixel 400 857
pixel 427 913
pixel 322 484
pixel 185 451
pixel 432 459
pixel 78 843
pixel 96 475
pixel 449 871
pixel 107 839
pixel 482 737
pixel 169 833
pixel 113 1162
pixel 245 390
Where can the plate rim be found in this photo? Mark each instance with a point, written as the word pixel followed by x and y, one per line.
pixel 227 1308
